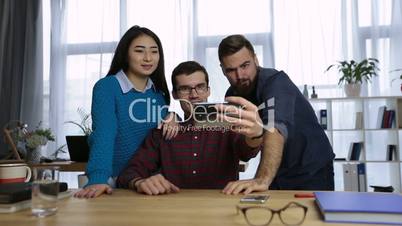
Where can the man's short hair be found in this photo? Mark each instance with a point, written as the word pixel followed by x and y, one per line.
pixel 232 44
pixel 187 68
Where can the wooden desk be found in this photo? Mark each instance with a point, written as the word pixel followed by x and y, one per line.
pixel 188 207
pixel 81 166
pixel 65 166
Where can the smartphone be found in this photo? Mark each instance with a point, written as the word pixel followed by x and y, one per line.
pixel 254 199
pixel 205 113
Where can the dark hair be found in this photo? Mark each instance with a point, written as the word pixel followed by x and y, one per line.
pixel 232 44
pixel 120 57
pixel 187 68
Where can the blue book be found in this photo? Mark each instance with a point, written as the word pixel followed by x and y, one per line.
pixel 360 207
pixel 361 173
pixel 323 118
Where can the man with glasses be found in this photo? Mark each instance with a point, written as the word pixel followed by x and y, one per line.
pixel 297 154
pixel 203 158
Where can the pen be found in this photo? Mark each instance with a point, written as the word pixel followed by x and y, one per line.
pixel 304 195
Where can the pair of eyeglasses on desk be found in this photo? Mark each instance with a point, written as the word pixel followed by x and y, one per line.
pixel 290 215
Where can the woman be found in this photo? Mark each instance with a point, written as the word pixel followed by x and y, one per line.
pixel 126 105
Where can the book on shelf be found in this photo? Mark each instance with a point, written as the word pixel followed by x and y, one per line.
pixel 386 118
pixel 391 152
pixel 323 118
pixel 360 207
pixel 359 120
pixel 399 106
pixel 381 111
pixel 355 150
pixel 347 183
pixel 391 121
pixel 354 177
pixel 361 177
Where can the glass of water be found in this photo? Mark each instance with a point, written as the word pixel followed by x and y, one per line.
pixel 45 188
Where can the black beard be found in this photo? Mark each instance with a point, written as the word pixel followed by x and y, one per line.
pixel 243 91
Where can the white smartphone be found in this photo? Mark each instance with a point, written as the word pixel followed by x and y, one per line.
pixel 254 199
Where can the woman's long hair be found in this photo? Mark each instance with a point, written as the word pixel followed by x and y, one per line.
pixel 120 58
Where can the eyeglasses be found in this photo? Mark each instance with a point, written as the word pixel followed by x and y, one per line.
pixel 186 90
pixel 291 215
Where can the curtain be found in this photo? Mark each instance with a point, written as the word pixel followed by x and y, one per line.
pixel 395 54
pixel 21 74
pixel 310 35
pixel 307 39
pixel 83 39
pixel 376 31
pixel 57 72
pixel 211 24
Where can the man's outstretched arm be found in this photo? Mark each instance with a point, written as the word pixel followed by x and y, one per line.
pixel 271 158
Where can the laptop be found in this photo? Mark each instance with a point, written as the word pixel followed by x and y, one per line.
pixel 78 148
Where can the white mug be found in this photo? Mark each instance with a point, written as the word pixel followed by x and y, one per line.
pixel 14 172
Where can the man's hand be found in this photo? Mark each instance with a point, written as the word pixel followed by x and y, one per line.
pixel 245 186
pixel 93 191
pixel 169 126
pixel 155 185
pixel 245 120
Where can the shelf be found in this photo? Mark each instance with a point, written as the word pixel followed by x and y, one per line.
pixel 358 130
pixel 382 129
pixel 344 115
pixel 352 98
pixel 367 161
pixel 340 130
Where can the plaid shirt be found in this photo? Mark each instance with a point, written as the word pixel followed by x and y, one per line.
pixel 193 159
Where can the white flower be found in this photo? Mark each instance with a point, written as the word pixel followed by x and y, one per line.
pixel 35 141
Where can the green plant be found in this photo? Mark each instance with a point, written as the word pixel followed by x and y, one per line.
pixel 356 72
pixel 37 137
pixel 59 150
pixel 85 124
pixel 400 76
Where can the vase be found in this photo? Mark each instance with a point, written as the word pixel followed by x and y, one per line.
pixel 352 89
pixel 33 155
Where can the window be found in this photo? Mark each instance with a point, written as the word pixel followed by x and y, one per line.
pixel 307 39
pixel 92 32
pixel 87 33
pixel 211 24
pixel 374 34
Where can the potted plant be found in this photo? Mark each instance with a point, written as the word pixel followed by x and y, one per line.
pixel 400 76
pixel 78 144
pixel 33 140
pixel 353 74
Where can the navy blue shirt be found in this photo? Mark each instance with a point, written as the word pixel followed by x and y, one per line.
pixel 307 148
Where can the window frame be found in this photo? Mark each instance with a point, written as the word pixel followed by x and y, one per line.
pixel 202 43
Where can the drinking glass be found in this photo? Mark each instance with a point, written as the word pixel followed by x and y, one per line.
pixel 45 188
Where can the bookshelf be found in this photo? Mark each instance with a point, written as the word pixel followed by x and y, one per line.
pixel 360 119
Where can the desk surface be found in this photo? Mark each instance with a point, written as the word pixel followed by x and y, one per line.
pixel 65 165
pixel 188 207
pixel 81 166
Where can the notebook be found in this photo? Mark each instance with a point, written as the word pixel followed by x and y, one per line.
pixel 360 207
pixel 17 196
pixel 16 192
